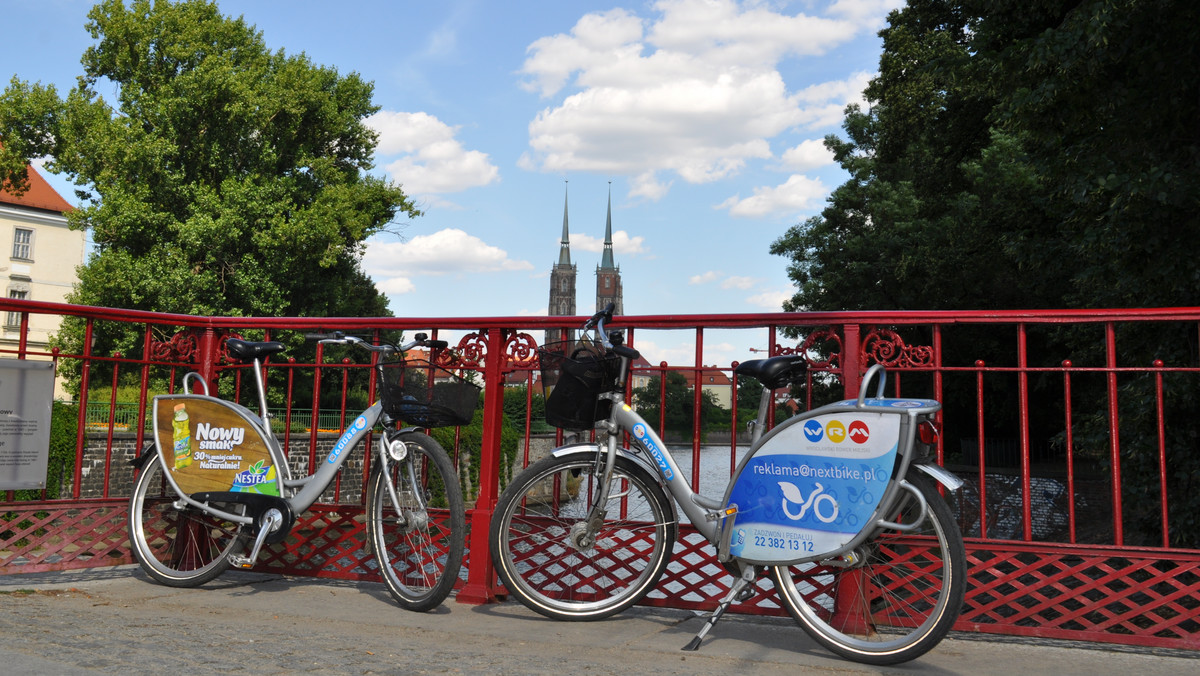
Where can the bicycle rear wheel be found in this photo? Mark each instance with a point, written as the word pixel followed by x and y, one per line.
pixel 539 538
pixel 898 600
pixel 178 547
pixel 418 543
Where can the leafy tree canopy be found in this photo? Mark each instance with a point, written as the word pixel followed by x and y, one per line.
pixel 1015 154
pixel 221 179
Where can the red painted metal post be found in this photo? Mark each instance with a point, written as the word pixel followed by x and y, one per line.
pixel 851 359
pixel 979 432
pixel 481 576
pixel 1070 450
pixel 1114 433
pixel 1162 449
pixel 206 359
pixel 1023 416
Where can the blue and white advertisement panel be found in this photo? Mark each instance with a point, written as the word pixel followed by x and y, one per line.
pixel 810 488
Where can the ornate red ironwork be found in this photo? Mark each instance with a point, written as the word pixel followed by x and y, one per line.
pixel 885 346
pixel 184 347
pixel 181 347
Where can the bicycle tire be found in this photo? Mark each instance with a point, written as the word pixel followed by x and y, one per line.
pixel 908 597
pixel 178 547
pixel 536 562
pixel 419 555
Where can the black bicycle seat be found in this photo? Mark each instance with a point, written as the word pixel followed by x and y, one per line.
pixel 245 350
pixel 774 372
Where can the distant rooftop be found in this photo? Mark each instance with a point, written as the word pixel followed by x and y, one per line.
pixel 39 195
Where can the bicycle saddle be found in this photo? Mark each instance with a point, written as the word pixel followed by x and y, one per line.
pixel 245 350
pixel 774 372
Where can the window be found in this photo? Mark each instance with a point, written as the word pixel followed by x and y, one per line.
pixel 23 244
pixel 13 319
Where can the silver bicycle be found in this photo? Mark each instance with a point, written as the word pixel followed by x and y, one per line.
pixel 215 486
pixel 837 506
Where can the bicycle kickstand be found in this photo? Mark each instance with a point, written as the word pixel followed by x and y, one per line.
pixel 739 591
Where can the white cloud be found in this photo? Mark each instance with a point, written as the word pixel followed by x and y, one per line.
pixel 797 194
pixel 393 264
pixel 705 278
pixel 622 243
pixel 735 282
pixel 770 300
pixel 694 91
pixel 811 154
pixel 872 13
pixel 432 161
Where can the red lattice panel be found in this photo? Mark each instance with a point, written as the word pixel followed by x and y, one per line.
pixel 43 536
pixel 327 541
pixel 556 570
pixel 1143 597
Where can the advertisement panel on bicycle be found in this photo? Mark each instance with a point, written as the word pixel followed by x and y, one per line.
pixel 810 488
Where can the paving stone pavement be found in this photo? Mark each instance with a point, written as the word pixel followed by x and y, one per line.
pixel 116 620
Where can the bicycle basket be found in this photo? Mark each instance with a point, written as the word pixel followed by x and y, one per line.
pixel 425 395
pixel 575 375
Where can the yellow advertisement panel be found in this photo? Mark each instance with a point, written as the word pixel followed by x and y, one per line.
pixel 207 444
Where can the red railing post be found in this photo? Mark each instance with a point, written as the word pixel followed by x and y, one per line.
pixel 207 354
pixel 481 575
pixel 851 359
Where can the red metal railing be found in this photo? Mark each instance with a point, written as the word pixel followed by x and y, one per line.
pixel 1068 438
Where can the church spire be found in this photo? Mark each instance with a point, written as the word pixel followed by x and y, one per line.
pixel 606 261
pixel 564 249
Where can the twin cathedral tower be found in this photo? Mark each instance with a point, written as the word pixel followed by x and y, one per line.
pixel 562 276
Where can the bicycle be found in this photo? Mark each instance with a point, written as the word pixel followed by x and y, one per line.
pixel 229 484
pixel 865 554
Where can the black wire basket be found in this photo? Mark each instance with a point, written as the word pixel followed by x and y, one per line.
pixel 419 393
pixel 575 375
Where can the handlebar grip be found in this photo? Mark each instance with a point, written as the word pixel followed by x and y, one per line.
pixel 437 344
pixel 602 317
pixel 336 335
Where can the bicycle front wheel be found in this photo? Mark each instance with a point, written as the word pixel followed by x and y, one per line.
pixel 178 547
pixel 418 542
pixel 897 600
pixel 553 562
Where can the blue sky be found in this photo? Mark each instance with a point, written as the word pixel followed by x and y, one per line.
pixel 704 116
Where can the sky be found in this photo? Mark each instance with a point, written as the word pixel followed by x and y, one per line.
pixel 702 119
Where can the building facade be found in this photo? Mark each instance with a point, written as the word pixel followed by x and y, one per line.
pixel 38 258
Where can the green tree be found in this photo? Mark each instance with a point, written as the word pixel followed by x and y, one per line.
pixel 679 405
pixel 1024 155
pixel 222 179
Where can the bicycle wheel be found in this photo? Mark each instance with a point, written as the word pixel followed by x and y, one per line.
pixel 418 543
pixel 539 538
pixel 178 547
pixel 898 600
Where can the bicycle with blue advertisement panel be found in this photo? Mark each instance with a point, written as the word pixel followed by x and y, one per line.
pixel 839 507
pixel 215 486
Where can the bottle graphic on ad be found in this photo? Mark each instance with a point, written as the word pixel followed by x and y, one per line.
pixel 182 435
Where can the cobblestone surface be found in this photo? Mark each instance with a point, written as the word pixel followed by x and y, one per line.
pixel 117 621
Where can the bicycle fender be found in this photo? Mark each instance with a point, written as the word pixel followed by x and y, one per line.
pixel 144 457
pixel 596 449
pixel 943 476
